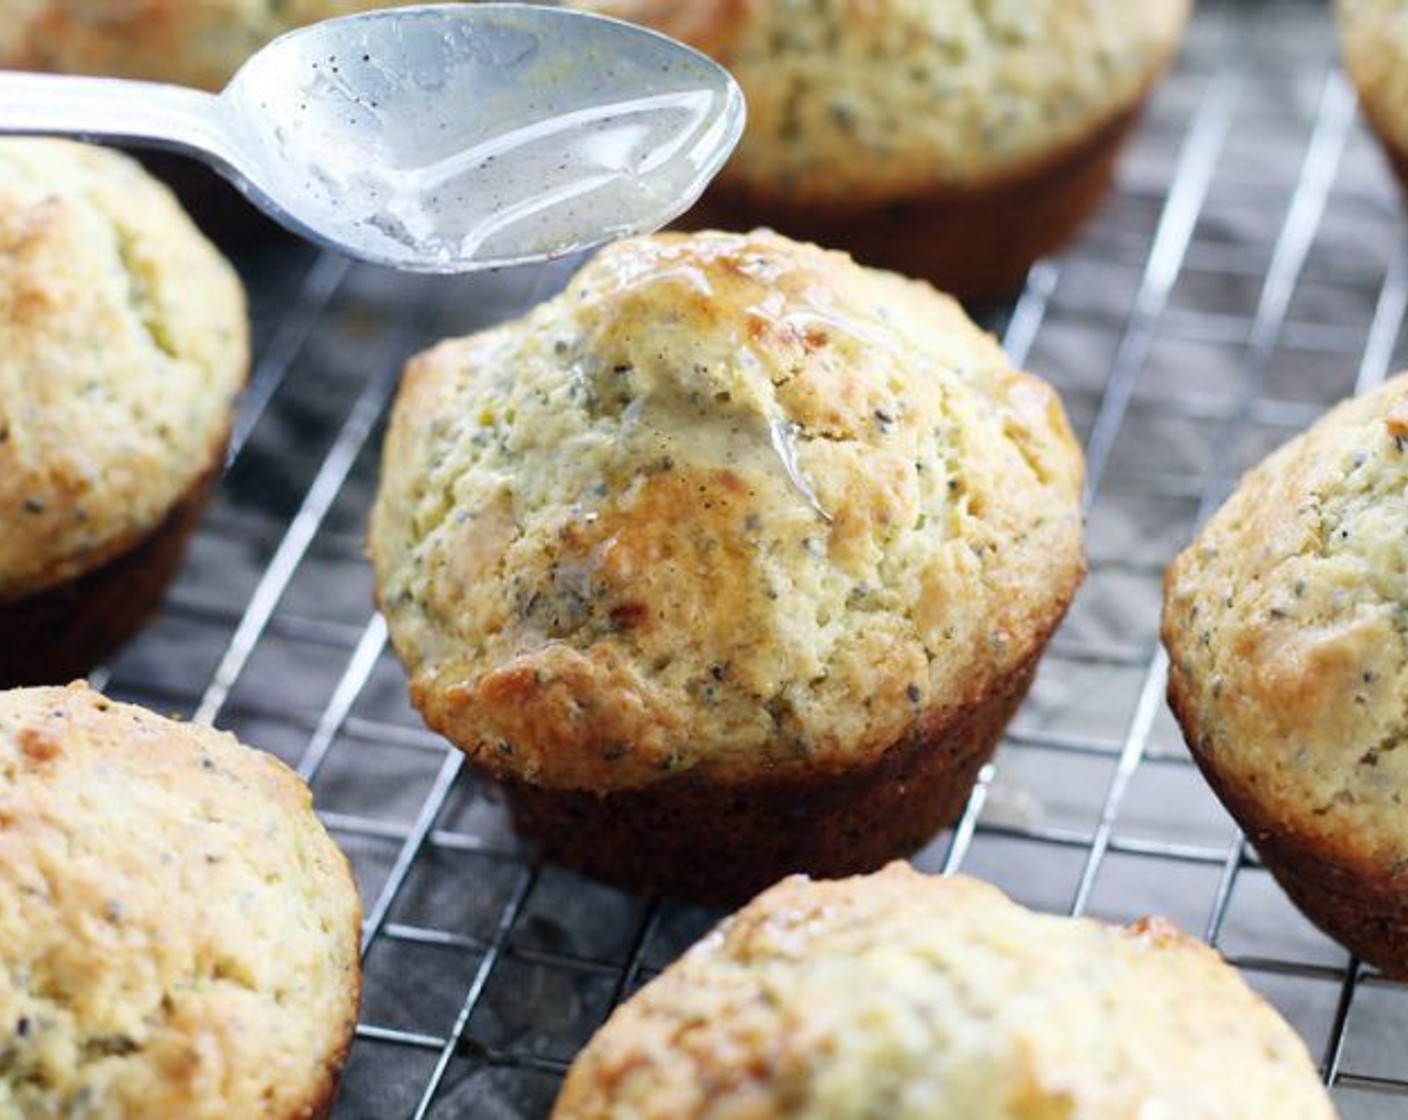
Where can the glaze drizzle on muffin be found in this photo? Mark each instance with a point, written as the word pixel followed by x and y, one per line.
pixel 728 503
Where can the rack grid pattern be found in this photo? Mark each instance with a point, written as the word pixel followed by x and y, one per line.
pixel 1250 269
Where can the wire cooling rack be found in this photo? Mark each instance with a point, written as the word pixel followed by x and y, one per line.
pixel 1250 269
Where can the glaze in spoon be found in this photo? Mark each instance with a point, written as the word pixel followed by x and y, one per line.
pixel 444 138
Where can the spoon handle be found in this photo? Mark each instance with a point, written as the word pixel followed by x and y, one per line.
pixel 148 114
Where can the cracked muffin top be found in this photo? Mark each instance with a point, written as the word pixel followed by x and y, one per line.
pixel 1287 627
pixel 912 997
pixel 190 42
pixel 850 101
pixel 178 934
pixel 123 347
pixel 728 504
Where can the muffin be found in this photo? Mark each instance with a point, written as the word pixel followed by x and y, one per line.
pixel 123 348
pixel 732 560
pixel 194 44
pixel 905 996
pixel 1285 627
pixel 178 935
pixel 959 141
pixel 1374 45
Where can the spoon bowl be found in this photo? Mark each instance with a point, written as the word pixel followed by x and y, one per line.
pixel 444 138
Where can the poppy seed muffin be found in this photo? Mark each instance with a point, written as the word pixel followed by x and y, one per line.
pixel 908 996
pixel 178 934
pixel 194 44
pixel 732 560
pixel 123 348
pixel 958 141
pixel 1286 623
pixel 1374 45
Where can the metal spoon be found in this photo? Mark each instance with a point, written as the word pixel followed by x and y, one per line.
pixel 439 139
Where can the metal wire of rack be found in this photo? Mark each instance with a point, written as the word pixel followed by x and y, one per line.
pixel 1249 270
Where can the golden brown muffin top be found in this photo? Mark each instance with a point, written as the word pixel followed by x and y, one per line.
pixel 852 101
pixel 190 42
pixel 1287 627
pixel 178 935
pixel 123 346
pixel 906 996
pixel 729 502
pixel 1374 44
